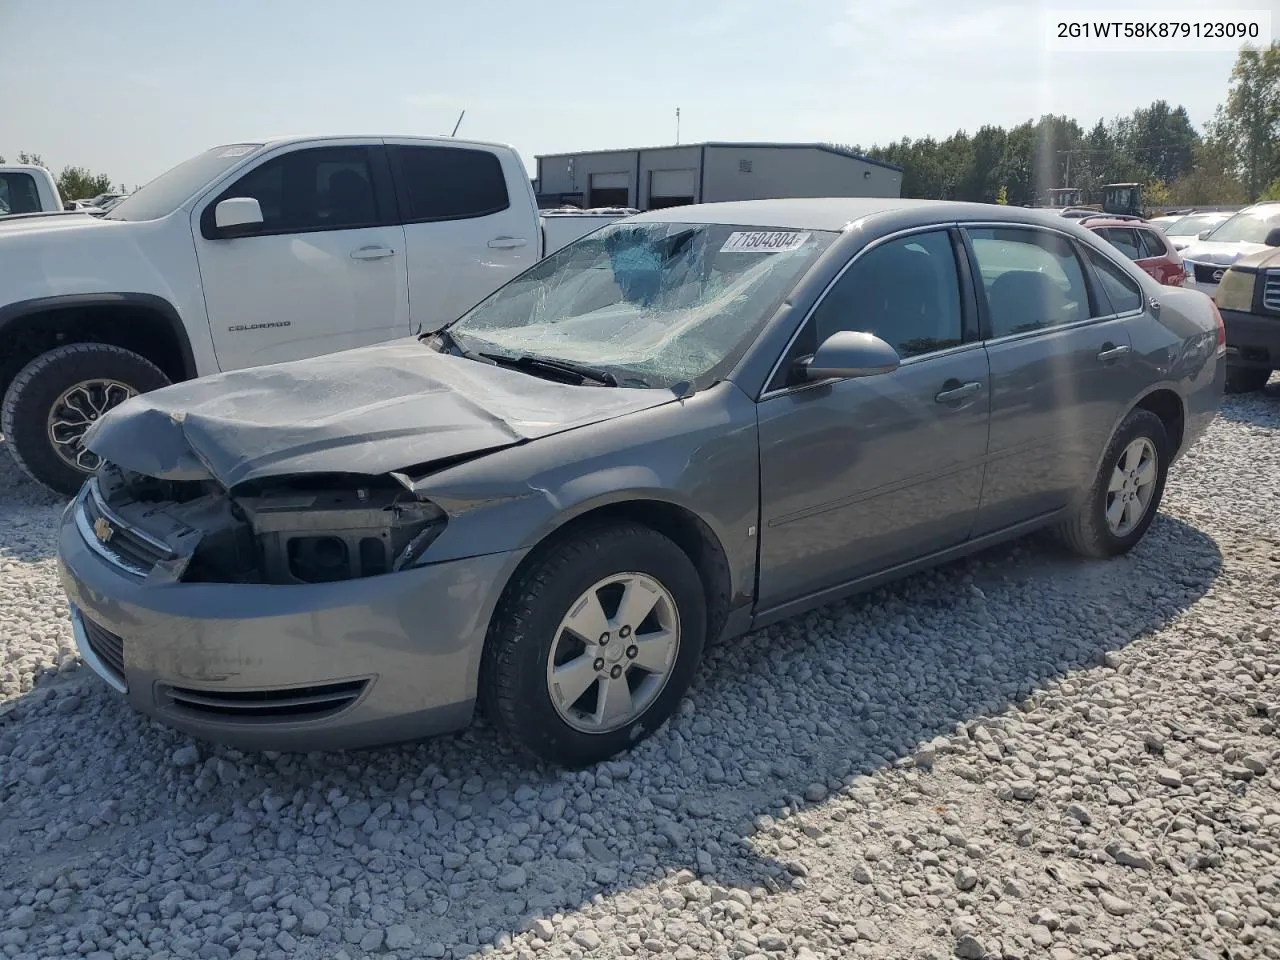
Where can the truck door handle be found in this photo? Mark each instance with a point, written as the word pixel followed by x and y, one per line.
pixel 372 253
pixel 507 243
pixel 1111 352
pixel 962 392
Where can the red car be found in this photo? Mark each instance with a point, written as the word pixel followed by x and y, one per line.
pixel 1143 244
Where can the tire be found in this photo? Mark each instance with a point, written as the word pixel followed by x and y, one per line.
pixel 1246 379
pixel 30 400
pixel 1088 533
pixel 516 687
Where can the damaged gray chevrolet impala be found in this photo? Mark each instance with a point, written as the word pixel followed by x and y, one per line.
pixel 685 426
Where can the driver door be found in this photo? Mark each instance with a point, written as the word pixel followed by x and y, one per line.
pixel 862 474
pixel 326 270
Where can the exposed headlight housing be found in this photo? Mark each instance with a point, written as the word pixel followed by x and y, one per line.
pixel 328 535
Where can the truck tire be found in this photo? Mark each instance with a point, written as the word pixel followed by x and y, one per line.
pixel 1246 379
pixel 572 699
pixel 1124 497
pixel 55 398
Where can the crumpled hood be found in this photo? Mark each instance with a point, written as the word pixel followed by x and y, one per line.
pixel 367 411
pixel 1207 251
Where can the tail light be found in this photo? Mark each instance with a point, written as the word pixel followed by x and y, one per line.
pixel 1222 330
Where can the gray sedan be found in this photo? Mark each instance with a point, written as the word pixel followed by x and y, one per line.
pixel 683 427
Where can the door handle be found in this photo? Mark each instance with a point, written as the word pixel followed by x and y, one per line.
pixel 962 392
pixel 372 253
pixel 1111 352
pixel 507 243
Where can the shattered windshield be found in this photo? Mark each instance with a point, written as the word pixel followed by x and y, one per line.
pixel 653 303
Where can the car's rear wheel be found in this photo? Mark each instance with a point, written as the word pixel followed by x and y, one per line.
pixel 594 643
pixel 1125 495
pixel 1246 379
pixel 56 397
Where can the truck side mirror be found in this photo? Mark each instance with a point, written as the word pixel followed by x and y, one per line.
pixel 237 216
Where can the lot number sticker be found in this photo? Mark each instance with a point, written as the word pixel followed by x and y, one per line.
pixel 764 241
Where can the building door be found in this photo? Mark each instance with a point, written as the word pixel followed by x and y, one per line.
pixel 610 190
pixel 671 188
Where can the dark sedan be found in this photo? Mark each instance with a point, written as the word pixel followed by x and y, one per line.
pixel 685 426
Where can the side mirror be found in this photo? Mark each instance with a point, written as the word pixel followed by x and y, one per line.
pixel 1204 234
pixel 850 354
pixel 1273 237
pixel 238 216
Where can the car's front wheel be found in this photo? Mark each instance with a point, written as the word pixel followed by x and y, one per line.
pixel 1125 495
pixel 56 397
pixel 594 643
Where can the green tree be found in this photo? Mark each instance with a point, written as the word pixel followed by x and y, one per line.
pixel 77 183
pixel 1249 122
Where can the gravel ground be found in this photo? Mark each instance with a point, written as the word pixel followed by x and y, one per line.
pixel 1021 755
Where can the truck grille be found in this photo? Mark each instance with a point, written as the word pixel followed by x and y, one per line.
pixel 1271 291
pixel 108 647
pixel 112 539
pixel 1205 271
pixel 280 705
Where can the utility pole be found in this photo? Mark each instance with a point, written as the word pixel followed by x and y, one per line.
pixel 677 126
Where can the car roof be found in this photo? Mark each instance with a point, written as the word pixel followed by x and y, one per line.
pixel 1111 222
pixel 837 213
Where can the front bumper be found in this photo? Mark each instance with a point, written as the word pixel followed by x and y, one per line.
pixel 1252 340
pixel 299 667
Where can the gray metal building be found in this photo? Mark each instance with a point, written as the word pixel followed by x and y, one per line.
pixel 650 178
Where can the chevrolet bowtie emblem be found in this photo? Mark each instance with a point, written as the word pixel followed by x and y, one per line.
pixel 103 530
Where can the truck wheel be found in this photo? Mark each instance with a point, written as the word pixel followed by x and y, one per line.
pixel 57 396
pixel 1246 379
pixel 1126 493
pixel 593 644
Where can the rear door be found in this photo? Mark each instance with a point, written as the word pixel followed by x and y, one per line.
pixel 468 224
pixel 1061 369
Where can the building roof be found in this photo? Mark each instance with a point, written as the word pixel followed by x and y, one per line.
pixel 824 147
pixel 836 213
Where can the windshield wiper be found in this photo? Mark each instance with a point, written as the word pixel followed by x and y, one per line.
pixel 447 340
pixel 530 362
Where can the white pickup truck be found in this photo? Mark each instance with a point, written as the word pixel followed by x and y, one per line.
pixel 25 188
pixel 251 253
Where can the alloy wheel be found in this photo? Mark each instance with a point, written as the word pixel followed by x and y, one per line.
pixel 613 652
pixel 1133 482
pixel 77 409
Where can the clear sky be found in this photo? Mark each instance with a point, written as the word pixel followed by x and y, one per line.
pixel 130 87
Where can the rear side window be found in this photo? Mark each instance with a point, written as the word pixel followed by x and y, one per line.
pixel 1031 279
pixel 451 183
pixel 18 194
pixel 1152 245
pixel 1120 289
pixel 1124 240
pixel 326 188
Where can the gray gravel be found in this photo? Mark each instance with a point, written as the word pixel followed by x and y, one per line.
pixel 1021 755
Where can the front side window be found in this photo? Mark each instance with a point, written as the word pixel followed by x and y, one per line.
pixel 1120 290
pixel 653 303
pixel 1031 279
pixel 905 291
pixel 328 188
pixel 18 194
pixel 452 183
